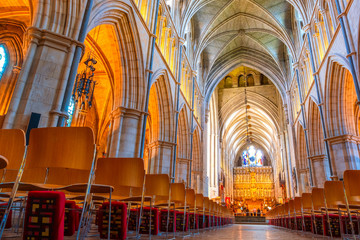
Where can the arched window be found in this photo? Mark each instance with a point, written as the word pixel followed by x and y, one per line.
pixel 3 60
pixel 241 81
pixel 228 82
pixel 252 157
pixel 250 80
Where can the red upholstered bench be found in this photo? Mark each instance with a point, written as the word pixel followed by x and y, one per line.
pixel 44 216
pixel 172 220
pixel 117 223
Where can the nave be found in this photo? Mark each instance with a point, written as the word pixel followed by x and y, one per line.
pixel 155 118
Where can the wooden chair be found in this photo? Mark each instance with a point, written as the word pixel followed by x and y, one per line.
pixel 292 215
pixel 307 212
pixel 206 212
pixel 178 199
pixel 199 200
pixel 336 203
pixel 56 149
pixel 351 180
pixel 352 192
pixel 12 151
pixel 318 203
pixel 191 205
pixel 157 186
pixel 298 213
pixel 126 176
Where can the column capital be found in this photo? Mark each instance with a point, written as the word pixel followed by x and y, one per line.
pixel 306 27
pixel 51 39
pixel 159 143
pixel 343 138
pixel 181 41
pixel 16 69
pixel 295 65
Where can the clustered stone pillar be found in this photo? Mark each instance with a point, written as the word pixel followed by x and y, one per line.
pixel 42 81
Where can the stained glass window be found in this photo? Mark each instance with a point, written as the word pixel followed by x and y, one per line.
pixel 3 60
pixel 252 157
pixel 70 112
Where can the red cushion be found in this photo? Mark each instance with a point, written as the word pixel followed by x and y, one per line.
pixel 118 220
pixel 163 220
pixel 193 217
pixel 202 220
pixel 77 216
pixel 9 219
pixel 44 216
pixel 70 218
pixel 145 221
pixel 180 221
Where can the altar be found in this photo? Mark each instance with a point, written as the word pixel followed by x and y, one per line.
pixel 253 190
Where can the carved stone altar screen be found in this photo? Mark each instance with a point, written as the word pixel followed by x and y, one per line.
pixel 253 187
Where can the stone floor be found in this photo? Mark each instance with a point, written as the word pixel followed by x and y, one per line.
pixel 248 232
pixel 236 231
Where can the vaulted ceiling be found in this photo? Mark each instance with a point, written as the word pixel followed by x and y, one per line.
pixel 229 33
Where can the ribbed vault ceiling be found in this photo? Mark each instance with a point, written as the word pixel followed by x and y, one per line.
pixel 256 30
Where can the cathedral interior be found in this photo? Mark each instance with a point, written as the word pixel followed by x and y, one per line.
pixel 173 118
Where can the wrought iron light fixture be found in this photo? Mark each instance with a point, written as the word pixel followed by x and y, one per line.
pixel 83 92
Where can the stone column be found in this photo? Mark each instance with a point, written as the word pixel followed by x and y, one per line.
pixel 130 133
pixel 344 151
pixel 318 163
pixel 117 119
pixel 160 156
pixel 42 79
pixel 9 85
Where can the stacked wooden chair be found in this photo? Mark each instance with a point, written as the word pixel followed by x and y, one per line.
pixel 332 211
pixel 59 186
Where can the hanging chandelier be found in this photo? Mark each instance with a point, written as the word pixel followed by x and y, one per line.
pixel 247 118
pixel 83 92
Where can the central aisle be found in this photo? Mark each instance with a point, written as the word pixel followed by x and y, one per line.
pixel 248 232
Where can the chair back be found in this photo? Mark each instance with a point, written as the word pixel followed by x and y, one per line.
pixel 121 173
pixel 306 201
pixel 157 185
pixel 178 193
pixel 297 204
pixel 351 179
pixel 60 176
pixel 61 147
pixel 199 199
pixel 206 204
pixel 291 206
pixel 12 147
pixel 190 197
pixel 286 208
pixel 334 193
pixel 317 197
